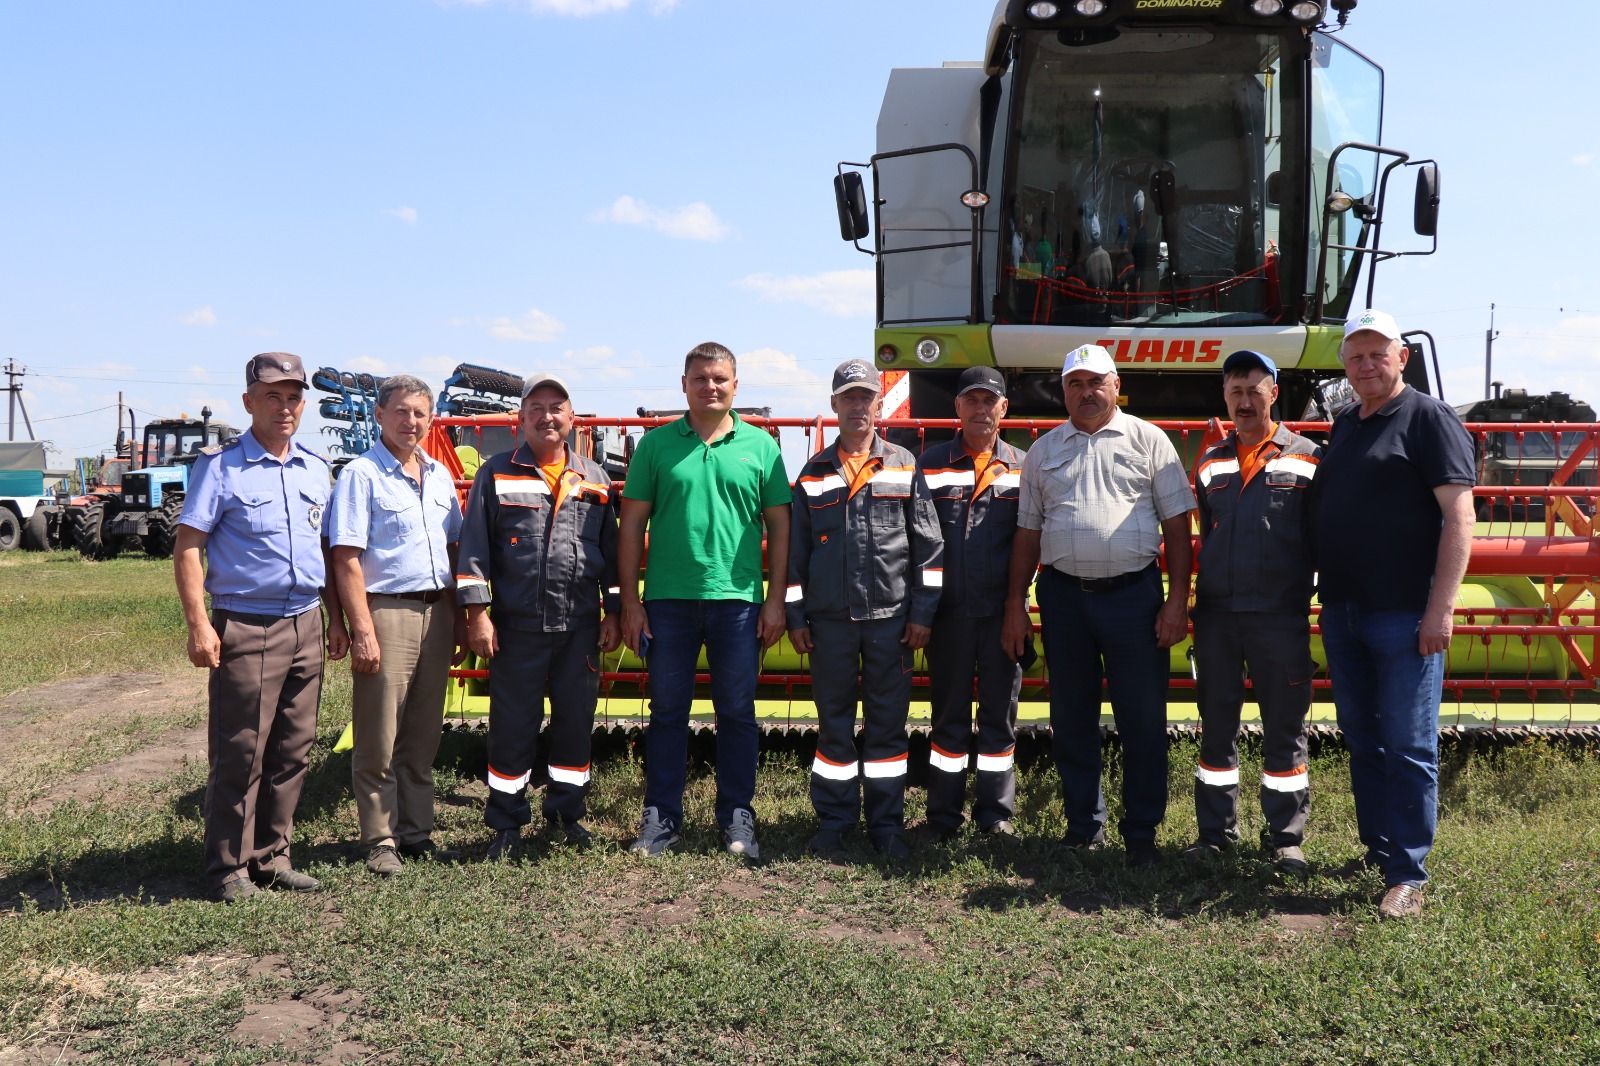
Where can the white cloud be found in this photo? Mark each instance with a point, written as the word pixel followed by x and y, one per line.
pixel 835 292
pixel 1558 356
pixel 771 369
pixel 366 364
pixel 1583 159
pixel 692 222
pixel 200 316
pixel 408 215
pixel 532 326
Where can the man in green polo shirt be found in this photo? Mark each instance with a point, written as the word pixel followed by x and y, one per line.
pixel 704 486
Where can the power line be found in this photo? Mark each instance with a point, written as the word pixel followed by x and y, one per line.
pixel 80 414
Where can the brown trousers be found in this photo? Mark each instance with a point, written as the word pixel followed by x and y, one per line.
pixel 263 718
pixel 398 713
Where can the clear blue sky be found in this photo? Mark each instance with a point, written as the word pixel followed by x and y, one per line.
pixel 593 186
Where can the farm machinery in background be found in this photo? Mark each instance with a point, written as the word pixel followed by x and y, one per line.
pixel 1172 180
pixel 351 399
pixel 142 506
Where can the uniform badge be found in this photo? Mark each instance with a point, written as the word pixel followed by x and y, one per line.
pixel 314 516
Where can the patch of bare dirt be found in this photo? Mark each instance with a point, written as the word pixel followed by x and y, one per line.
pixel 40 723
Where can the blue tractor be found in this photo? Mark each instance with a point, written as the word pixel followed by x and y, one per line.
pixel 146 508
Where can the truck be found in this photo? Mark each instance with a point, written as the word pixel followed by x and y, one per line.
pixel 1530 451
pixel 24 504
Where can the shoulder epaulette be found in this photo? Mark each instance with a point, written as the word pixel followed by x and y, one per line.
pixel 218 449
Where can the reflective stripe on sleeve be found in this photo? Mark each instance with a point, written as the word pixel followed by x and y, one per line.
pixel 932 577
pixel 894 766
pixel 999 762
pixel 1216 778
pixel 793 594
pixel 501 783
pixel 467 581
pixel 833 771
pixel 948 761
pixel 569 775
pixel 1296 780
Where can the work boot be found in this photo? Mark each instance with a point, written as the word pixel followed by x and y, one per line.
pixel 427 849
pixel 656 834
pixel 573 834
pixel 504 843
pixel 384 861
pixel 827 844
pixel 740 836
pixel 1142 853
pixel 1290 860
pixel 892 846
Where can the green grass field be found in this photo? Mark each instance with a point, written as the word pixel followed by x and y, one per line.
pixel 972 953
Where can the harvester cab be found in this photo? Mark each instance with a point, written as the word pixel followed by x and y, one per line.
pixel 1529 448
pixel 149 500
pixel 1171 180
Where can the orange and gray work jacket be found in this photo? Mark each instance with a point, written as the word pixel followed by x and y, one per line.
pixel 866 550
pixel 978 518
pixel 1255 535
pixel 541 558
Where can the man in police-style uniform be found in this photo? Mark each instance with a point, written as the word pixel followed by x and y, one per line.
pixel 975 481
pixel 1251 612
pixel 255 510
pixel 538 557
pixel 864 582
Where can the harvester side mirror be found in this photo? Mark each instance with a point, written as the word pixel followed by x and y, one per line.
pixel 850 195
pixel 1426 212
pixel 1275 187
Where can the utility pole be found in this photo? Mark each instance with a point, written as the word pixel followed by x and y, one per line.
pixel 14 391
pixel 1488 353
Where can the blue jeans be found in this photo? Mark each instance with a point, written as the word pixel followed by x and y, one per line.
pixel 1115 631
pixel 727 629
pixel 1387 696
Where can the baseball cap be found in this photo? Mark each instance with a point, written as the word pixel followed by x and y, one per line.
pixel 275 366
pixel 854 374
pixel 1091 358
pixel 1379 322
pixel 1245 360
pixel 980 377
pixel 533 381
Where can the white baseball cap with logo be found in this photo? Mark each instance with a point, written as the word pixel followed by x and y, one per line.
pixel 1379 322
pixel 1090 358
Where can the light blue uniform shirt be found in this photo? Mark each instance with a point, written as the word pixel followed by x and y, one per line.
pixel 402 528
pixel 263 519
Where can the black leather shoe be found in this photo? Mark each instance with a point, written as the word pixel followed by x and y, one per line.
pixel 503 845
pixel 1142 854
pixel 427 849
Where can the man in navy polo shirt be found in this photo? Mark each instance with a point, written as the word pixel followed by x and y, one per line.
pixel 1393 531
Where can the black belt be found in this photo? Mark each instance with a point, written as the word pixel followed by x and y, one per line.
pixel 1107 584
pixel 428 596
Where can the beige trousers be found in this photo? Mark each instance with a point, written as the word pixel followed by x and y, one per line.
pixel 398 713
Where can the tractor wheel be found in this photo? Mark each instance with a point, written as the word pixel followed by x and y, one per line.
pixel 36 531
pixel 89 529
pixel 10 529
pixel 162 528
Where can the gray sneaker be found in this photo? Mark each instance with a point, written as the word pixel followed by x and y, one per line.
pixel 740 835
pixel 656 834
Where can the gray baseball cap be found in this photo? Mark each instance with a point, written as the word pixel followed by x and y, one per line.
pixel 855 374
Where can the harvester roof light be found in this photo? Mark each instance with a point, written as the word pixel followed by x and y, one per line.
pixel 888 353
pixel 975 198
pixel 1305 11
pixel 1340 202
pixel 1090 8
pixel 1266 8
pixel 928 350
pixel 1043 9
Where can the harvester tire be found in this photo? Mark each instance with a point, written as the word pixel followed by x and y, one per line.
pixel 161 529
pixel 36 532
pixel 10 529
pixel 485 379
pixel 94 540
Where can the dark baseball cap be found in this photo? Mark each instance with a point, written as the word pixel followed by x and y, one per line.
pixel 855 374
pixel 275 366
pixel 1245 360
pixel 980 377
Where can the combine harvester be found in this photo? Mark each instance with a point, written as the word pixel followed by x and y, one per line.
pixel 1174 180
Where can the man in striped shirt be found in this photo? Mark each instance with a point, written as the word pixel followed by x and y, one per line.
pixel 864 582
pixel 1252 602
